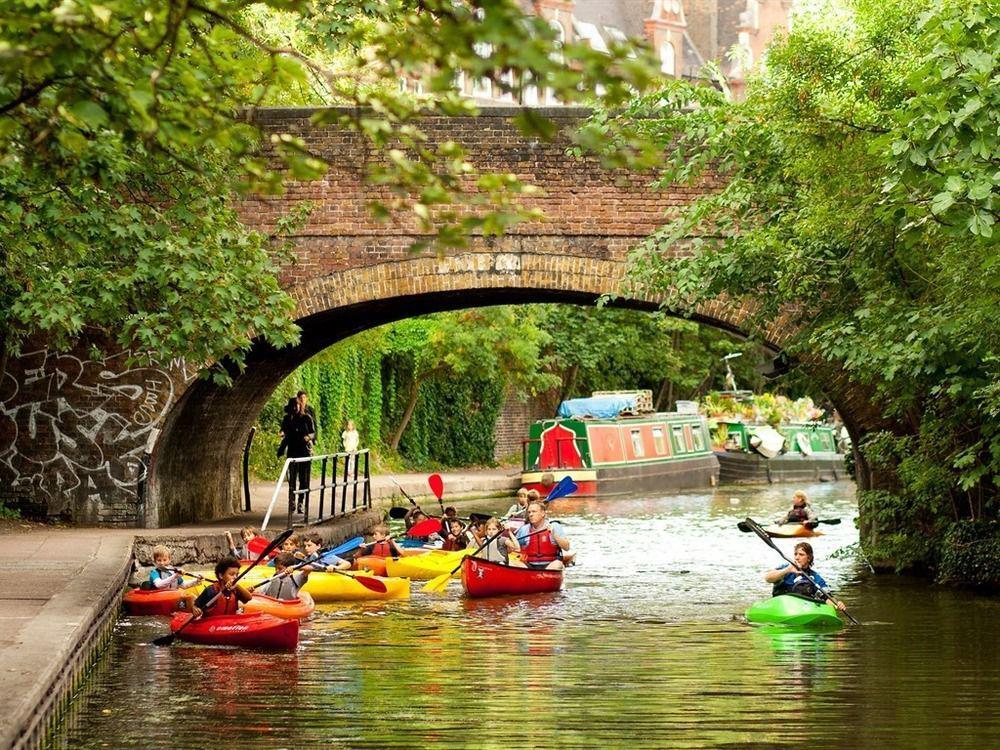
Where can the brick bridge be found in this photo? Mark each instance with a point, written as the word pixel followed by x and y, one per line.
pixel 95 441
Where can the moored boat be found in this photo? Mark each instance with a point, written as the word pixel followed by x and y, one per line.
pixel 257 631
pixel 791 610
pixel 287 609
pixel 481 578
pixel 615 444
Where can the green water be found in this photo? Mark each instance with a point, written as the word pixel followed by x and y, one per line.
pixel 644 648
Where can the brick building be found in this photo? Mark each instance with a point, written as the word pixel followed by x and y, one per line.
pixel 685 34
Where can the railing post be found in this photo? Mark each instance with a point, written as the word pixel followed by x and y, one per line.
pixel 333 493
pixel 343 495
pixel 353 458
pixel 368 482
pixel 322 488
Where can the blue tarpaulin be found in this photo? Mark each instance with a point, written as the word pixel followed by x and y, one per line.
pixel 599 407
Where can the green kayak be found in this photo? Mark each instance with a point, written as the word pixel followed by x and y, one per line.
pixel 793 611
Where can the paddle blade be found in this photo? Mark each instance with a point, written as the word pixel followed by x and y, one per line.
pixel 830 521
pixel 348 546
pixel 564 486
pixel 479 517
pixel 164 640
pixel 398 512
pixel 436 484
pixel 742 526
pixel 435 585
pixel 425 528
pixel 371 583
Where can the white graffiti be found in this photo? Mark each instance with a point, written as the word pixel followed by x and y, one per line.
pixel 74 431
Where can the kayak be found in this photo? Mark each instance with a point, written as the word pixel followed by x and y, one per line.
pixel 481 578
pixel 794 611
pixel 374 563
pixel 286 609
pixel 426 566
pixel 335 587
pixel 155 602
pixel 790 530
pixel 243 630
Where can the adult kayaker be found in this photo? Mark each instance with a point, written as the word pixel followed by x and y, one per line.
pixel 222 597
pixel 801 511
pixel 541 542
pixel 795 579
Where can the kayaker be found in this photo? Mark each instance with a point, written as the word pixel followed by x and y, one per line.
pixel 290 546
pixel 222 598
pixel 521 502
pixel 381 544
pixel 795 579
pixel 164 577
pixel 457 538
pixel 312 544
pixel 414 517
pixel 542 543
pixel 801 511
pixel 286 583
pixel 242 552
pixel 498 550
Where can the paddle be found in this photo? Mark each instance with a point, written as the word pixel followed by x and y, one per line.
pixel 405 493
pixel 745 528
pixel 398 512
pixel 343 549
pixel 425 528
pixel 166 640
pixel 756 529
pixel 565 486
pixel 369 583
pixel 436 484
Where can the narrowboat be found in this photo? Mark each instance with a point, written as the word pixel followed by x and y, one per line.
pixel 614 444
pixel 759 454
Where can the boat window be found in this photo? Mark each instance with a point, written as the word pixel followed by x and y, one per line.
pixel 661 448
pixel 679 439
pixel 699 439
pixel 637 444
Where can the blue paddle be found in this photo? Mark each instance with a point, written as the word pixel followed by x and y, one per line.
pixel 563 487
pixel 343 549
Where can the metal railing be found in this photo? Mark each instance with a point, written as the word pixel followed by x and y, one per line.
pixel 351 485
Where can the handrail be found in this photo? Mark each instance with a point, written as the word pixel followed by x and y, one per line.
pixel 323 486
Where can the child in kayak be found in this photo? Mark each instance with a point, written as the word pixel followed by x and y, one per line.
pixel 286 583
pixel 224 596
pixel 457 538
pixel 498 550
pixel 289 546
pixel 801 511
pixel 312 545
pixel 380 545
pixel 164 577
pixel 521 502
pixel 242 551
pixel 800 578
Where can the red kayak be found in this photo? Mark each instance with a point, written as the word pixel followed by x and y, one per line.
pixel 153 601
pixel 481 578
pixel 243 630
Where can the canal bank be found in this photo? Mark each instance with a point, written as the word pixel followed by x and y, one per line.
pixel 60 590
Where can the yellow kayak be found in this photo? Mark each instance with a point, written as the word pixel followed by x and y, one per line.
pixel 334 587
pixel 427 566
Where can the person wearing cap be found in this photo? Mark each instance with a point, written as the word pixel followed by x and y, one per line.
pixel 801 511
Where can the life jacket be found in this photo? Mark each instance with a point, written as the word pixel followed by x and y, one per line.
pixel 541 548
pixel 285 588
pixel 156 573
pixel 382 549
pixel 799 586
pixel 224 605
pixel 797 515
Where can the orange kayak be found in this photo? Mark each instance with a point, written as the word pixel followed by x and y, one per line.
pixel 374 563
pixel 153 601
pixel 286 609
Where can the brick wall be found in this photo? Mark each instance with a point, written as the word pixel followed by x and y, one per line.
pixel 515 418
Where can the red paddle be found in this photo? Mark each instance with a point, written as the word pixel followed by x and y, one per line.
pixel 437 487
pixel 425 528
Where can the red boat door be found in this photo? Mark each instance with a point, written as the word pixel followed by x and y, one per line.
pixel 559 449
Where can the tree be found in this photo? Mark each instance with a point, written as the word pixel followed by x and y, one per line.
pixel 490 342
pixel 861 181
pixel 123 141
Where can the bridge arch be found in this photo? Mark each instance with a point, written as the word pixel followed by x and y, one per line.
pixel 195 468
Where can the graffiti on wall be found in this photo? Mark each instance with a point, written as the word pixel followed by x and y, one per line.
pixel 74 431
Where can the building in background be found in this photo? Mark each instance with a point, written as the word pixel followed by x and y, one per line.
pixel 685 35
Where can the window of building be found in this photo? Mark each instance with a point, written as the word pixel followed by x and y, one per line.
pixel 637 444
pixel 668 59
pixel 661 447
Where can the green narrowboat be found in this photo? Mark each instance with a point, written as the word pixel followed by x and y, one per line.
pixel 751 453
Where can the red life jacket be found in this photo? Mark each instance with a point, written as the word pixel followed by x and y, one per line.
pixel 382 549
pixel 541 548
pixel 224 605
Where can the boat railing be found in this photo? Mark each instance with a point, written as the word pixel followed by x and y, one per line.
pixel 345 480
pixel 561 450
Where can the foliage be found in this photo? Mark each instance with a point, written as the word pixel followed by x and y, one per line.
pixel 123 139
pixel 764 407
pixel 861 181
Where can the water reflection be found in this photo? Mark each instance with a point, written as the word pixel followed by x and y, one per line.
pixel 645 648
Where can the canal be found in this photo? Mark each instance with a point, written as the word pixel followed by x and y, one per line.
pixel 644 648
